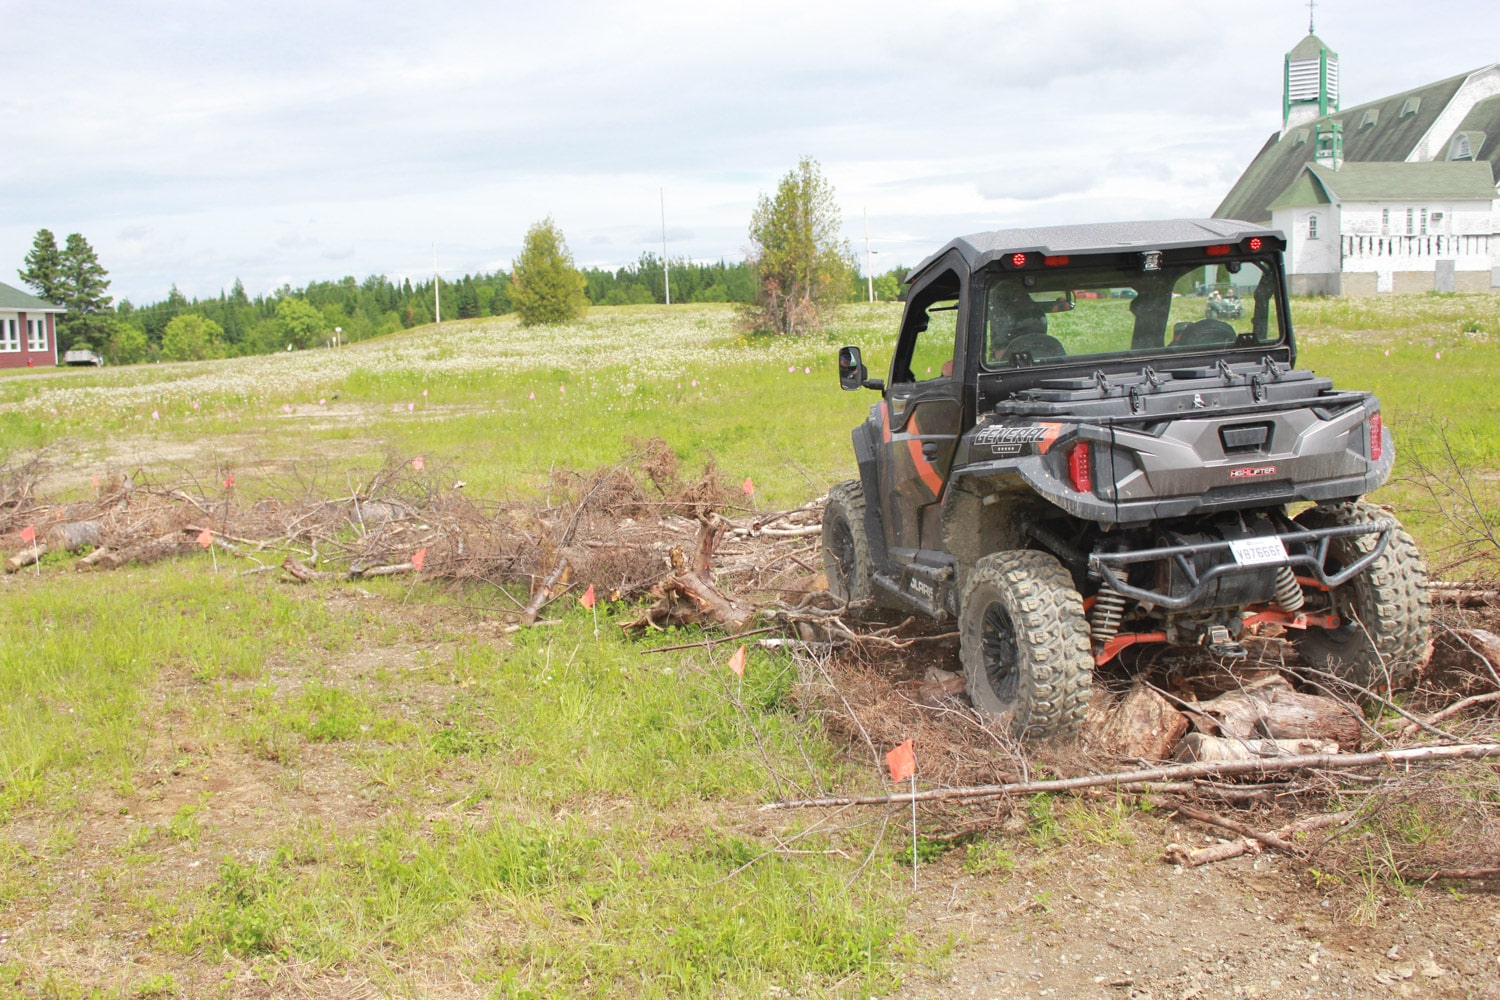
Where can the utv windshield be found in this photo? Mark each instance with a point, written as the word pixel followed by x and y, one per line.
pixel 1053 316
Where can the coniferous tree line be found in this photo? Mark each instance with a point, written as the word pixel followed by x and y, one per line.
pixel 236 323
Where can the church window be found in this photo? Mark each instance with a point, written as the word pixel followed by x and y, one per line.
pixel 1312 227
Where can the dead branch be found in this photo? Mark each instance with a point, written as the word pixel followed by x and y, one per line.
pixel 1270 840
pixel 543 594
pixel 1270 765
pixel 1457 708
pixel 1193 857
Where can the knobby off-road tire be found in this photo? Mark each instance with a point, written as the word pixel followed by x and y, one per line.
pixel 1024 643
pixel 1386 634
pixel 846 547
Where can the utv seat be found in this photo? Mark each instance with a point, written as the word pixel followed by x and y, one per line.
pixel 1038 346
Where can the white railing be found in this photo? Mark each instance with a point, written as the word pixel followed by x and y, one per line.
pixel 1431 245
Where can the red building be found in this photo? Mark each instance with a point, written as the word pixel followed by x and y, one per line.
pixel 28 329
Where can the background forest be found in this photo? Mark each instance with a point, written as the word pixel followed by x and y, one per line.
pixel 240 324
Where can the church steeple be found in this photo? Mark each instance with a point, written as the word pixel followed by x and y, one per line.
pixel 1311 80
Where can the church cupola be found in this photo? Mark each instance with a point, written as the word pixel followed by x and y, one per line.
pixel 1328 144
pixel 1311 83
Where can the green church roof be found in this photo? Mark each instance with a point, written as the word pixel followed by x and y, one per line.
pixel 19 301
pixel 1484 118
pixel 1387 135
pixel 1310 48
pixel 1305 192
pixel 1460 180
pixel 1439 180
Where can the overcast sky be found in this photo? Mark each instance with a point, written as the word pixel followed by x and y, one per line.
pixel 198 141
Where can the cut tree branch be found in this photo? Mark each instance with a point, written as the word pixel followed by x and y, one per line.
pixel 1180 772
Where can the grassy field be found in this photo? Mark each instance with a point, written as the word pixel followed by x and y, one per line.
pixel 215 784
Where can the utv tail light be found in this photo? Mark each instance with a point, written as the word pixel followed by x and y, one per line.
pixel 1051 261
pixel 1376 443
pixel 1218 250
pixel 1018 260
pixel 1255 243
pixel 1080 470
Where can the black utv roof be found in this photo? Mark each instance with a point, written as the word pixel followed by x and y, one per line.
pixel 981 249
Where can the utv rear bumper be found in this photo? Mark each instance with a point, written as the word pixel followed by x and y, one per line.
pixel 1306 550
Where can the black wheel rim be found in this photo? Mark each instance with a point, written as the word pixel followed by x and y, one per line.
pixel 998 646
pixel 842 548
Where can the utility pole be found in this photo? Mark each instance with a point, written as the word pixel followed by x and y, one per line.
pixel 666 268
pixel 869 274
pixel 437 288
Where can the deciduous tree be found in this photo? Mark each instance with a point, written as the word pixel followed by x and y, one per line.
pixel 191 337
pixel 801 264
pixel 128 346
pixel 546 287
pixel 299 323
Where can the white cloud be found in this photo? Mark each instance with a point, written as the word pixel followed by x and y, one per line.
pixel 183 131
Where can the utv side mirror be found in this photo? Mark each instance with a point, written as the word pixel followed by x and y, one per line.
pixel 852 371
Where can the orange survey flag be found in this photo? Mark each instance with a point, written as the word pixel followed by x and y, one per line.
pixel 28 533
pixel 205 538
pixel 748 487
pixel 737 662
pixel 902 762
pixel 588 599
pixel 418 558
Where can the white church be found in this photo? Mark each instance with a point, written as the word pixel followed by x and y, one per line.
pixel 1396 195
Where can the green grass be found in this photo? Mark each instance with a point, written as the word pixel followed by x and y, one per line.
pixel 265 781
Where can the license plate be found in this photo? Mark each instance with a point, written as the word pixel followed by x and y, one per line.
pixel 1258 551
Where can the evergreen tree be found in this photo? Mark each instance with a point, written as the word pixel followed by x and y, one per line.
pixel 800 263
pixel 84 280
pixel 546 287
pixel 44 267
pixel 82 283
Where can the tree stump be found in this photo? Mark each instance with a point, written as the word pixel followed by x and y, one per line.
pixel 1141 726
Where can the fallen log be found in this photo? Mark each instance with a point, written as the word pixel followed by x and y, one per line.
pixel 303 573
pixel 25 557
pixel 73 535
pixel 93 559
pixel 69 536
pixel 1201 747
pixel 1270 708
pixel 1178 772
